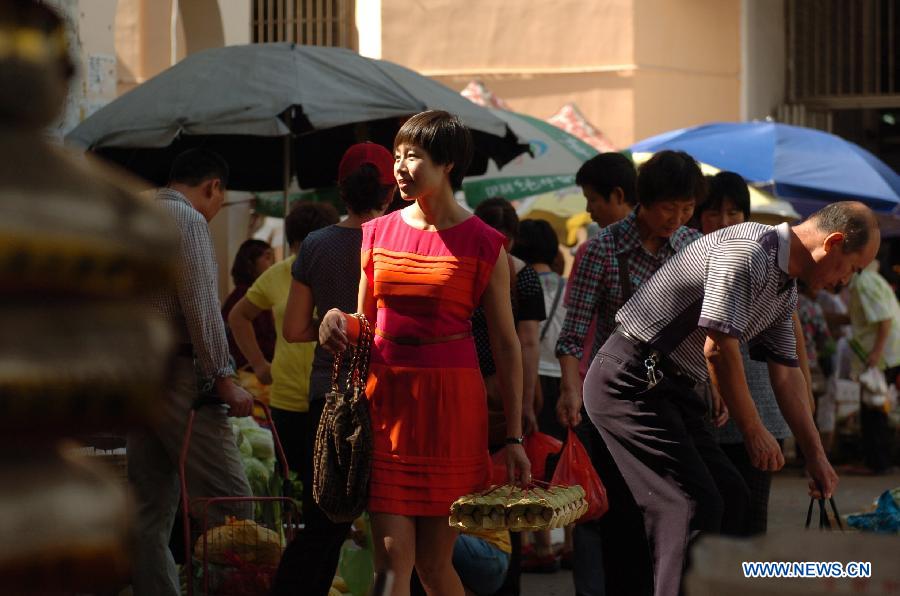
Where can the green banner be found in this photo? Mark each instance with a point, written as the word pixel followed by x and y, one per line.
pixel 514 188
pixel 272 203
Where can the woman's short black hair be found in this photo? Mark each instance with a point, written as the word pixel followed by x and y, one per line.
pixel 243 269
pixel 537 242
pixel 306 217
pixel 607 171
pixel 670 176
pixel 362 191
pixel 446 139
pixel 726 185
pixel 499 213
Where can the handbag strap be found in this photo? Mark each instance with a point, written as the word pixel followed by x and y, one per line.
pixel 359 363
pixel 336 371
pixel 560 284
pixel 625 277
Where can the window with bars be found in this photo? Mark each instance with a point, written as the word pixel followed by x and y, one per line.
pixel 307 22
pixel 843 49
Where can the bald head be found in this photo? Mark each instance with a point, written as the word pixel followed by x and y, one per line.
pixel 853 219
pixel 839 240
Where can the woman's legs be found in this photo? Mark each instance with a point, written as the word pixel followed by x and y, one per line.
pixel 402 542
pixel 434 541
pixel 395 539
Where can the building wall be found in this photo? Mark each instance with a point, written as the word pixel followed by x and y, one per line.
pixel 128 49
pixel 367 14
pixel 688 64
pixel 692 36
pixel 606 98
pixel 144 33
pixel 143 40
pixel 235 21
pixel 443 37
pixel 634 67
pixel 536 55
pixel 666 100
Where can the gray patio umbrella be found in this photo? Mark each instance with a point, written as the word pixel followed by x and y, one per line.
pixel 275 111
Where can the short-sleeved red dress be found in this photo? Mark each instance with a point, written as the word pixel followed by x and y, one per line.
pixel 425 391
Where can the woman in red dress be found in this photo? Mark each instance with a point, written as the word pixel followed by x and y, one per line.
pixel 425 268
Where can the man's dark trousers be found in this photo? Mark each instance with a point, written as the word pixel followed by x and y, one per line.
pixel 659 441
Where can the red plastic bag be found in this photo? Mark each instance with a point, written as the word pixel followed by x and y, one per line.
pixel 538 446
pixel 575 467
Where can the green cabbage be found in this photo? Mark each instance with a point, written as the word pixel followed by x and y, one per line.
pixel 261 441
pixel 245 423
pixel 257 475
pixel 245 447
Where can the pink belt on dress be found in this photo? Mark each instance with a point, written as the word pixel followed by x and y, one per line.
pixel 421 341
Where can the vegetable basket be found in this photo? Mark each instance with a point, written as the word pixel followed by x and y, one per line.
pixel 240 556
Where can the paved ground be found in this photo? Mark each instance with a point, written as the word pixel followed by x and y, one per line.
pixel 787 510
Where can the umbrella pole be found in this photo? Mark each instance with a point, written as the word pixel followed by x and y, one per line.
pixel 286 186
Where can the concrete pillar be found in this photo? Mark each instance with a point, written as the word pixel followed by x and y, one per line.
pixel 763 58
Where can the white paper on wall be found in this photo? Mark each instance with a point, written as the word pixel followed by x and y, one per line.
pixel 101 76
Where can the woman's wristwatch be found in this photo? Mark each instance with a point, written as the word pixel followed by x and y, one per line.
pixel 514 440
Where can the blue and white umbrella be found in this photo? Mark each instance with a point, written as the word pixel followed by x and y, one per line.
pixel 805 166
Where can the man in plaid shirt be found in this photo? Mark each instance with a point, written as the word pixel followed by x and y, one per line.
pixel 614 264
pixel 667 190
pixel 195 193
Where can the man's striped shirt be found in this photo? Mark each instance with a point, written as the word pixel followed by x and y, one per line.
pixel 734 281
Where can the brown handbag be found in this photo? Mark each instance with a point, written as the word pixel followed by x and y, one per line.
pixel 343 452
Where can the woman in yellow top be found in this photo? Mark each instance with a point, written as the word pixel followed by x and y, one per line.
pixel 288 372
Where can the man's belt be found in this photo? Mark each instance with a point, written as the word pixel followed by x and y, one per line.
pixel 421 341
pixel 654 359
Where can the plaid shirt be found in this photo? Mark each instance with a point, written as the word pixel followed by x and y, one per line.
pixel 596 286
pixel 193 307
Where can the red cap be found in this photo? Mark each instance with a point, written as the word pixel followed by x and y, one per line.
pixel 362 153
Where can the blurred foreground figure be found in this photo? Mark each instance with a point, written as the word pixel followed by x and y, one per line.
pixel 78 352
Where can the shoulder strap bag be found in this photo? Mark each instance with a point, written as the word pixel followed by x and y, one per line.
pixel 560 285
pixel 342 457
